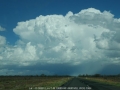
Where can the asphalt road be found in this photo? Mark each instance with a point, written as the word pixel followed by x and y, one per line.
pixel 81 84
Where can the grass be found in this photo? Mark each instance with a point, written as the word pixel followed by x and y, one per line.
pixel 115 81
pixel 25 83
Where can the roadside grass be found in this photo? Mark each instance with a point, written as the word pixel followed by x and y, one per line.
pixel 115 81
pixel 25 83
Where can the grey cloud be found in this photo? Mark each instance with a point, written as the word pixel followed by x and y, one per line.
pixel 113 54
pixel 111 69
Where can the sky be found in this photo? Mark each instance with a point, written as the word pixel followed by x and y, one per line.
pixel 63 37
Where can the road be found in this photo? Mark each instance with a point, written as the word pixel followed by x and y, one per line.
pixel 81 84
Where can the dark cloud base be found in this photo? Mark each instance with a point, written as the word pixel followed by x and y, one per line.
pixel 62 69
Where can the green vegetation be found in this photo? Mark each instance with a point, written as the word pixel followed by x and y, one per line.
pixel 105 79
pixel 111 81
pixel 28 82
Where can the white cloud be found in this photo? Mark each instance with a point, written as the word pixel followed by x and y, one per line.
pixel 20 55
pixel 2 40
pixel 90 11
pixel 2 29
pixel 73 38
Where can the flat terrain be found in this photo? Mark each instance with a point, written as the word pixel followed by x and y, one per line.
pixel 55 83
pixel 30 82
pixel 84 84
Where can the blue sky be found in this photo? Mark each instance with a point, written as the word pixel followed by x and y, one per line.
pixel 14 11
pixel 60 36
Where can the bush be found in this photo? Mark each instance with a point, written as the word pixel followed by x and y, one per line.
pixel 97 75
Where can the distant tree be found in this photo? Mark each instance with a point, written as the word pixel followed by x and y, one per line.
pixel 86 75
pixel 55 75
pixel 79 75
pixel 36 75
pixel 83 75
pixel 97 75
pixel 31 75
pixel 43 75
pixel 66 75
pixel 118 75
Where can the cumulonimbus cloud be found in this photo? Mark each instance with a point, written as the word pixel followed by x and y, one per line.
pixel 73 38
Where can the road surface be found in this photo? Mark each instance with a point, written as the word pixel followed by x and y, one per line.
pixel 81 84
